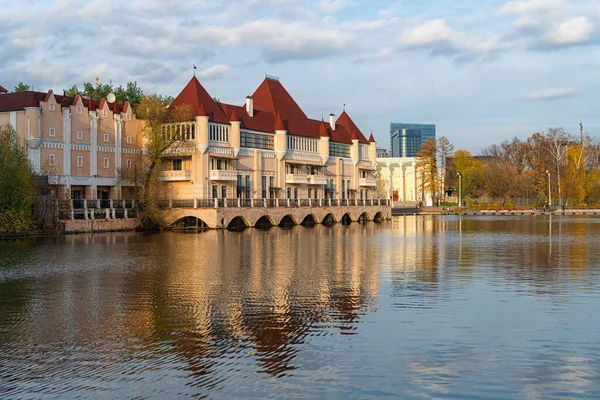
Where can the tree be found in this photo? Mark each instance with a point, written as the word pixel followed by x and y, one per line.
pixel 472 172
pixel 445 149
pixel 427 167
pixel 131 92
pixel 21 87
pixel 155 113
pixel 17 186
pixel 556 146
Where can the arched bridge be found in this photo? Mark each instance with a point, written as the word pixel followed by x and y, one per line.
pixel 240 214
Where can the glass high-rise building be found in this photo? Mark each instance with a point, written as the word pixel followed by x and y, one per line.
pixel 406 139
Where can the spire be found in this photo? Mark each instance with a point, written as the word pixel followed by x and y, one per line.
pixel 279 126
pixel 233 117
pixel 202 111
pixel 371 139
pixel 323 129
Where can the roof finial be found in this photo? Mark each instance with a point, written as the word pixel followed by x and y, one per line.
pixel 344 106
pixel 195 70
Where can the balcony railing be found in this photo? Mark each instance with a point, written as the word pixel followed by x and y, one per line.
pixel 173 176
pixel 367 182
pixel 296 178
pixel 269 203
pixel 223 175
pixel 317 179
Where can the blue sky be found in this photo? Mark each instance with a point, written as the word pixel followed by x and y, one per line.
pixel 483 71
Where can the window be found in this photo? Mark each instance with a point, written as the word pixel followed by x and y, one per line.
pixel 80 161
pixel 339 150
pixel 177 164
pixel 79 110
pixel 52 159
pixel 309 193
pixel 105 162
pixel 106 137
pixel 215 191
pixel 257 141
pixel 105 113
pixel 128 117
pixel 264 186
pixel 223 192
pixel 129 164
pixel 51 106
pixel 220 164
pixel 52 132
pixel 129 140
pixel 80 135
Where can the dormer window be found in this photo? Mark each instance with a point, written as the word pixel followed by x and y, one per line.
pixel 105 114
pixel 128 117
pixel 79 110
pixel 51 106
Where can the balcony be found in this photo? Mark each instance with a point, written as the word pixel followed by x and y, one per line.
pixel 223 175
pixel 175 176
pixel 296 178
pixel 367 182
pixel 317 180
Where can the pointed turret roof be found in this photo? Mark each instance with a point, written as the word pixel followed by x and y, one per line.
pixel 346 122
pixel 201 112
pixel 353 136
pixel 279 126
pixel 323 129
pixel 195 95
pixel 233 117
pixel 371 139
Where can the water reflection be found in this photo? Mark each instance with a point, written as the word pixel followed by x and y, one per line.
pixel 417 307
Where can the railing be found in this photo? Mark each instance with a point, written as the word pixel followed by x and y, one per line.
pixel 367 182
pixel 85 209
pixel 171 176
pixel 268 203
pixel 296 178
pixel 317 179
pixel 223 175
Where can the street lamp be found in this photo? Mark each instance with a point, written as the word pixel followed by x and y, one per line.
pixel 459 189
pixel 549 192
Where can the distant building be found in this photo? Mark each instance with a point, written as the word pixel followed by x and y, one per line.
pixel 382 153
pixel 406 139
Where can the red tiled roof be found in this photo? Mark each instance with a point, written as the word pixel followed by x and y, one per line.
pixel 279 126
pixel 233 117
pixel 48 95
pixel 21 100
pixel 261 121
pixel 349 126
pixel 371 139
pixel 323 129
pixel 195 95
pixel 3 90
pixel 201 111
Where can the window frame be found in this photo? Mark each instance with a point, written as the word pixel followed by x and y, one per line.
pixel 79 161
pixel 52 159
pixel 52 132
pixel 106 163
pixel 79 135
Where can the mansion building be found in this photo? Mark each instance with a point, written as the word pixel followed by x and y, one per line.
pixel 266 148
pixel 81 145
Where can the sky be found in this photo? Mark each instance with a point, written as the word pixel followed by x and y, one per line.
pixel 483 71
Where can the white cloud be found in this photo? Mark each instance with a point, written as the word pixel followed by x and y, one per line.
pixel 573 31
pixel 332 6
pixel 530 6
pixel 551 93
pixel 439 38
pixel 214 72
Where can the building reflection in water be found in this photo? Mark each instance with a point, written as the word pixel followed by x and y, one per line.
pixel 213 299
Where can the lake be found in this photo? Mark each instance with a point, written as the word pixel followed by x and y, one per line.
pixel 416 307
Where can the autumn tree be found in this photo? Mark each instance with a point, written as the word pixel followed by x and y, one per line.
pixel 472 173
pixel 445 149
pixel 155 114
pixel 427 167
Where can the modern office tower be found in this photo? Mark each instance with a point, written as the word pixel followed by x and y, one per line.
pixel 406 139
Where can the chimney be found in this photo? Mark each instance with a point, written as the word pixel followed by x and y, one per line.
pixel 250 106
pixel 332 121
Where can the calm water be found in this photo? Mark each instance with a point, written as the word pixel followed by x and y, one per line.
pixel 420 307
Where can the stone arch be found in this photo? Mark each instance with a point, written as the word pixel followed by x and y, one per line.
pixel 379 217
pixel 238 223
pixel 264 222
pixel 364 217
pixel 329 220
pixel 346 219
pixel 288 221
pixel 189 222
pixel 309 220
